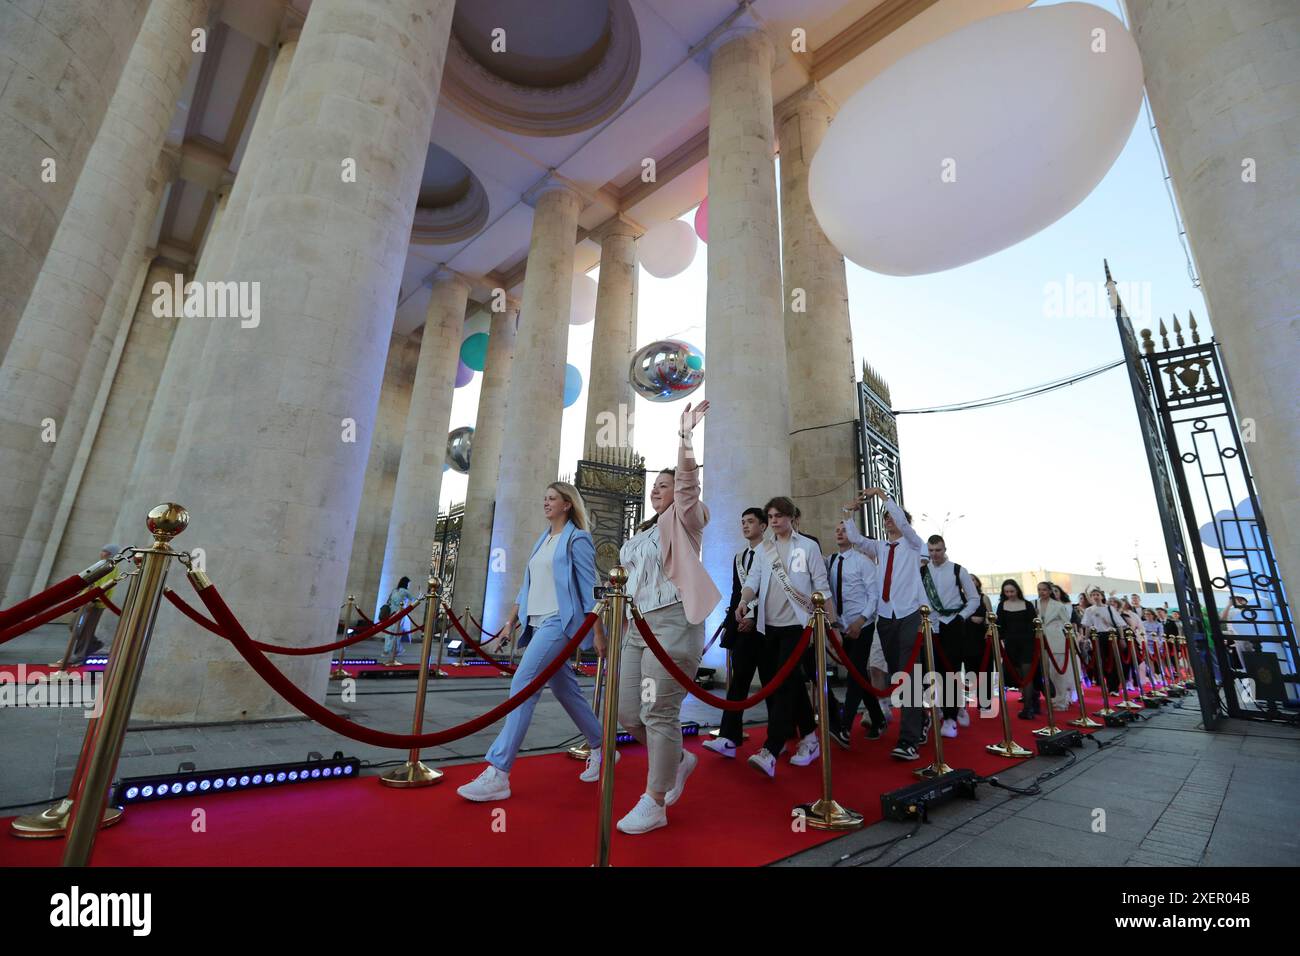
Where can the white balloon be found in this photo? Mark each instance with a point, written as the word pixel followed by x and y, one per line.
pixel 668 248
pixel 978 140
pixel 583 307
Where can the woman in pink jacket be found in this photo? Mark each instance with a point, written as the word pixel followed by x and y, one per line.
pixel 675 594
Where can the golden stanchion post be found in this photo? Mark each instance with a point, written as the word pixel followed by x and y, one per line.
pixel 581 751
pixel 1106 709
pixel 514 644
pixel 340 672
pixel 1154 695
pixel 437 669
pixel 1045 666
pixel 414 773
pixel 1083 720
pixel 938 768
pixel 825 814
pixel 1008 747
pixel 1126 704
pixel 464 646
pixel 130 644
pixel 617 603
pixel 1189 672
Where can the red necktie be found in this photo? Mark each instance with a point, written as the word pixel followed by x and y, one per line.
pixel 889 571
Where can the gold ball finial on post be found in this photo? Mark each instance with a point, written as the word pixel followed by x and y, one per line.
pixel 167 520
pixel 819 599
pixel 618 575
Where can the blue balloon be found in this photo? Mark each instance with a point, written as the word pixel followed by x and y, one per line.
pixel 572 385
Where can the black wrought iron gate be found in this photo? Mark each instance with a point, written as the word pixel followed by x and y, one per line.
pixel 878 458
pixel 1203 483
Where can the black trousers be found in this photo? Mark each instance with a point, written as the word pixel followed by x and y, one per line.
pixel 859 650
pixel 952 639
pixel 789 709
pixel 747 653
pixel 1111 668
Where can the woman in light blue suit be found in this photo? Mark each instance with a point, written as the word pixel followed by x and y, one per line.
pixel 556 594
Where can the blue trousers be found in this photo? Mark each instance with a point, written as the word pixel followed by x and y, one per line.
pixel 548 640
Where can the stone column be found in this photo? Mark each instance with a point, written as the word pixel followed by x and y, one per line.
pixel 1224 84
pixel 94 491
pixel 530 457
pixel 381 474
pixel 151 480
pixel 273 459
pixel 60 61
pixel 818 337
pixel 413 522
pixel 610 400
pixel 485 462
pixel 48 354
pixel 747 434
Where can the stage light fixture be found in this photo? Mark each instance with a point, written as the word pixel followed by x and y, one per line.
pixel 164 786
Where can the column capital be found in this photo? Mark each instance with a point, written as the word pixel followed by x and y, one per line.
pixel 808 98
pixel 554 182
pixel 742 30
pixel 617 225
pixel 446 275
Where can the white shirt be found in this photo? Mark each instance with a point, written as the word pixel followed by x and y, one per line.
pixel 906 593
pixel 542 599
pixel 945 582
pixel 646 580
pixel 861 592
pixel 806 570
pixel 1100 618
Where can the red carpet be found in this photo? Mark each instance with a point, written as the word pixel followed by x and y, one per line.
pixel 549 821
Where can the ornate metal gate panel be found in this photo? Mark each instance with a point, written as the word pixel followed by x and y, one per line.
pixel 446 545
pixel 613 488
pixel 1199 467
pixel 878 458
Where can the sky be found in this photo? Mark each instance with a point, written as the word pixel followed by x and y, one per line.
pixel 1058 481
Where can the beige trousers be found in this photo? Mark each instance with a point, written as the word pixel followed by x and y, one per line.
pixel 649 698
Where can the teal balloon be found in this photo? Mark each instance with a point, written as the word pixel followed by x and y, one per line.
pixel 695 362
pixel 572 385
pixel 473 351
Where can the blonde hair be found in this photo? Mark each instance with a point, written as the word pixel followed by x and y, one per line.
pixel 577 507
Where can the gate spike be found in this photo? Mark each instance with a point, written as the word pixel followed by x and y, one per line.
pixel 1164 336
pixel 1178 332
pixel 1191 320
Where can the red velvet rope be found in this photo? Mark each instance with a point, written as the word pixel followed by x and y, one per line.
pixel 988 654
pixel 503 668
pixel 341 725
pixel 866 684
pixel 490 637
pixel 39 602
pixel 110 605
pixel 416 628
pixel 939 653
pixel 712 700
pixel 203 622
pixel 1126 653
pixel 1059 668
pixel 17 630
pixel 1028 679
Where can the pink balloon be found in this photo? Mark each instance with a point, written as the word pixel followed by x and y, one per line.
pixel 702 220
pixel 464 374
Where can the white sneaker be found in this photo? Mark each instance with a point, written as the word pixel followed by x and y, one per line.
pixel 591 773
pixel 491 784
pixel 722 746
pixel 809 750
pixel 645 816
pixel 688 762
pixel 949 728
pixel 963 717
pixel 764 762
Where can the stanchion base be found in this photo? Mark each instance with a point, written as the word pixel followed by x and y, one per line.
pixel 411 775
pixel 339 674
pixel 829 815
pixel 1009 748
pixel 1173 690
pixel 717 731
pixel 1085 721
pixel 935 769
pixel 1048 731
pixel 53 821
pixel 1154 700
pixel 1129 705
pixel 580 751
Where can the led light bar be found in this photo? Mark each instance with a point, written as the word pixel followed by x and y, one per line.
pixel 191 783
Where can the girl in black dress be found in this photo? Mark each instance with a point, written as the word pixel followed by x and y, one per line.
pixel 1016 624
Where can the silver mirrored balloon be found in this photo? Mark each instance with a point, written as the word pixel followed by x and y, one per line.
pixel 666 370
pixel 460 442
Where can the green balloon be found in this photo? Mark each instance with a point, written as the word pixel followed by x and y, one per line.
pixel 694 362
pixel 473 351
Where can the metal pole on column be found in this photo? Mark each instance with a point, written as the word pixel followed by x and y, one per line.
pixel 130 644
pixel 340 672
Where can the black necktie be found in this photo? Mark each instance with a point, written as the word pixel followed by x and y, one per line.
pixel 839 586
